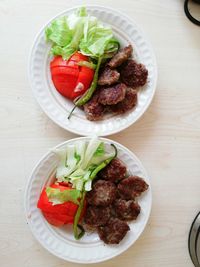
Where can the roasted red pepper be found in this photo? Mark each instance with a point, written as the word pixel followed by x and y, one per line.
pixel 70 79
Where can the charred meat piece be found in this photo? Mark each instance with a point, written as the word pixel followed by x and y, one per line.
pixel 112 95
pixel 121 57
pixel 114 231
pixel 126 210
pixel 114 171
pixel 102 194
pixel 134 74
pixel 97 216
pixel 108 76
pixel 128 103
pixel 93 109
pixel 132 187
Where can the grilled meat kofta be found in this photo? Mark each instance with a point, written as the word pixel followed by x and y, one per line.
pixel 97 216
pixel 102 194
pixel 131 187
pixel 127 103
pixel 134 74
pixel 115 171
pixel 126 210
pixel 123 55
pixel 112 95
pixel 114 231
pixel 93 109
pixel 108 76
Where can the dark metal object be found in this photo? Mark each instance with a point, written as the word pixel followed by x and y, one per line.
pixel 198 248
pixel 194 241
pixel 188 14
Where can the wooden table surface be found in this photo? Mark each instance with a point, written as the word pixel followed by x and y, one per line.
pixel 166 138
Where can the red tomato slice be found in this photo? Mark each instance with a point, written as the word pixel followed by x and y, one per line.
pixel 69 70
pixel 56 219
pixel 77 57
pixel 59 214
pixel 62 186
pixel 58 61
pixel 52 219
pixel 65 79
pixel 69 79
pixel 68 208
pixel 85 79
pixel 66 184
pixel 64 83
pixel 86 76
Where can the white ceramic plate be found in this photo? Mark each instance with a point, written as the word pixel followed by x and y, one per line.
pixel 58 107
pixel 60 241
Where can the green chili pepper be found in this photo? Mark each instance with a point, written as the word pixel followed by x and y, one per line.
pixel 88 94
pixel 103 164
pixel 76 226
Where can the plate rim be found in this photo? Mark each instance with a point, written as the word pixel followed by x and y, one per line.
pixel 30 179
pixel 153 56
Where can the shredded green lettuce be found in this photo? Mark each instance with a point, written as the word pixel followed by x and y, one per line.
pixel 56 196
pixel 68 162
pixel 77 157
pixel 79 31
pixel 100 150
pixel 77 162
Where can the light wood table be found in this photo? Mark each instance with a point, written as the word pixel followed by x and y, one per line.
pixel 166 138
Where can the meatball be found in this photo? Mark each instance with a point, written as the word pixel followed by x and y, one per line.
pixel 134 74
pixel 114 171
pixel 126 210
pixel 121 57
pixel 128 103
pixel 108 77
pixel 102 194
pixel 112 95
pixel 97 216
pixel 114 231
pixel 93 109
pixel 132 187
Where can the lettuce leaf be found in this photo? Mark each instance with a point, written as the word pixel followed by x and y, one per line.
pixel 99 41
pixel 65 52
pixel 79 31
pixel 58 32
pixel 58 197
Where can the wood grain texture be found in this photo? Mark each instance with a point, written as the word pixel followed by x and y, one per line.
pixel 166 138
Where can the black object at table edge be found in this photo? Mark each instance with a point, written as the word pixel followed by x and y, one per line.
pixel 188 14
pixel 192 244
